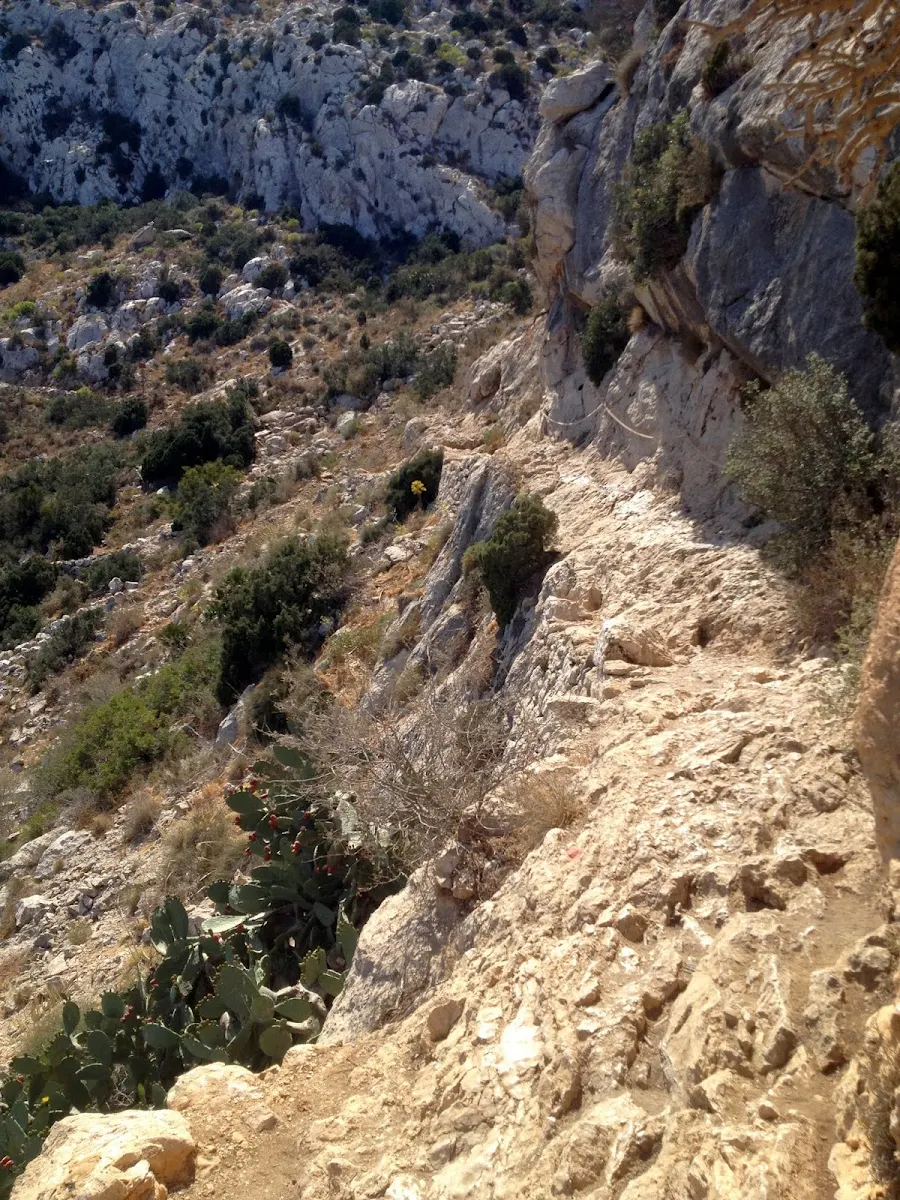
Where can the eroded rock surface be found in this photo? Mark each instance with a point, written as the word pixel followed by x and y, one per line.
pixel 130 1156
pixel 878 715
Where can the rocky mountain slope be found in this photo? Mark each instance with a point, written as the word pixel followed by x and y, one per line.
pixel 353 124
pixel 685 988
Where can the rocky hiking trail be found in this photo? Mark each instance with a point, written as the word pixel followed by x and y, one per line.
pixel 660 1002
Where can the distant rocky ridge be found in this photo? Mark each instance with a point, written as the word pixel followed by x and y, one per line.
pixel 110 104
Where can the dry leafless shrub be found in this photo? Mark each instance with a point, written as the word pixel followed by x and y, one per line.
pixel 539 803
pixel 426 780
pixel 125 623
pixel 140 816
pixel 843 78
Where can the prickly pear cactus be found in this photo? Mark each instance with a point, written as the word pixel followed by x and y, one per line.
pixel 253 981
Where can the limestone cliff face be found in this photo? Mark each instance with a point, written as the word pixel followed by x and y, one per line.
pixel 107 104
pixel 767 275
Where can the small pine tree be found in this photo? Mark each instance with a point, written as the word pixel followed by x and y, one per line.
pixel 513 554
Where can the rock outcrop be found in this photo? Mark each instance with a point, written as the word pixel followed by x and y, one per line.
pixel 130 1156
pixel 762 254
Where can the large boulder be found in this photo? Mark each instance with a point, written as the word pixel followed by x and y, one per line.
pixel 88 330
pixel 128 1156
pixel 397 961
pixel 222 1094
pixel 570 94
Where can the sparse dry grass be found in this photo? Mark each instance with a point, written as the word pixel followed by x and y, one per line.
pixel 18 886
pixel 540 802
pixel 12 964
pixel 79 932
pixel 202 847
pixel 125 623
pixel 141 816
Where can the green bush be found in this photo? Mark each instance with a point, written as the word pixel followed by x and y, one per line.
pixel 128 416
pixel 803 459
pixel 604 338
pixel 203 324
pixel 144 346
pixel 388 12
pixel 12 267
pixel 14 45
pixel 123 564
pixel 78 410
pixel 669 178
pixel 877 274
pixel 288 602
pixel 169 290
pixel 188 374
pixel 60 503
pixel 514 553
pixel 437 371
pixel 112 742
pixel 210 280
pixel 101 290
pixel 517 294
pixel 513 79
pixel 69 641
pixel 346 32
pixel 272 277
pixel 203 503
pixel 280 354
pixel 22 587
pixel 401 498
pixel 362 372
pixel 206 431
pixel 231 332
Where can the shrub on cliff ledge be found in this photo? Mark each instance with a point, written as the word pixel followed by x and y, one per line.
pixel 804 459
pixel 425 469
pixel 878 260
pixel 513 554
pixel 670 177
pixel 604 338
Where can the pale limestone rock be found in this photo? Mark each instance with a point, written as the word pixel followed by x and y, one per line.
pixel 127 1156
pixel 389 973
pixel 564 97
pixel 32 909
pixel 86 331
pixel 223 1092
pixel 442 1017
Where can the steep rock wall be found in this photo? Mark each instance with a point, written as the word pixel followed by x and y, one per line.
pixel 204 102
pixel 768 269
